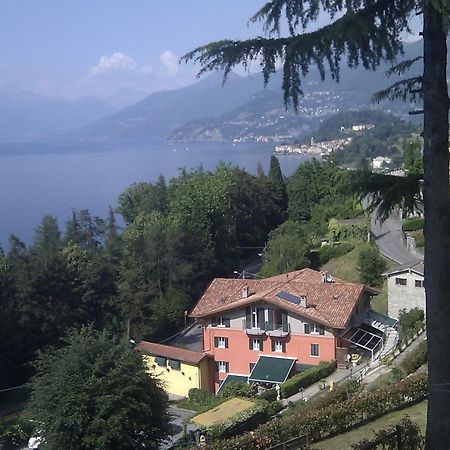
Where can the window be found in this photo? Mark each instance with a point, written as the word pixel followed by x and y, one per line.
pixel 220 322
pixel 418 283
pixel 222 366
pixel 175 364
pixel 400 281
pixel 278 345
pixel 250 366
pixel 314 329
pixel 160 361
pixel 221 342
pixel 314 349
pixel 255 318
pixel 256 344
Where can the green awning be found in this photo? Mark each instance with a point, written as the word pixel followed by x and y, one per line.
pixel 270 369
pixel 231 377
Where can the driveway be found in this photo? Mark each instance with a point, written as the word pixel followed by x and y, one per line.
pixel 389 238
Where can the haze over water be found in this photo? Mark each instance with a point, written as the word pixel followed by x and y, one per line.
pixel 36 180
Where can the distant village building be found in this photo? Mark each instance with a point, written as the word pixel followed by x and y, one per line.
pixel 380 162
pixel 362 127
pixel 406 289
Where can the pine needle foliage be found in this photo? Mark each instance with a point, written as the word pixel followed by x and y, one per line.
pixel 362 32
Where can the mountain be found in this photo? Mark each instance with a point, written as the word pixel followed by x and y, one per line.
pixel 264 117
pixel 160 113
pixel 25 116
pixel 241 109
pixel 124 97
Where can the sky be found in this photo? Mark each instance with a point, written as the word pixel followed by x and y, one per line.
pixel 75 48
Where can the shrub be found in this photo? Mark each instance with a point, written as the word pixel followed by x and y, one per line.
pixel 245 420
pixel 407 431
pixel 415 359
pixel 15 434
pixel 200 401
pixel 419 237
pixel 416 223
pixel 306 378
pixel 269 395
pixel 238 389
pixel 328 252
pixel 411 321
pixel 371 265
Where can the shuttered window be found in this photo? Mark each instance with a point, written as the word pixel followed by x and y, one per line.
pixel 220 342
pixel 160 361
pixel 222 366
pixel 278 345
pixel 175 364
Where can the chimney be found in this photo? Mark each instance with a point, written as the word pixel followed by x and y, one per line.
pixel 244 291
pixel 303 302
pixel 326 277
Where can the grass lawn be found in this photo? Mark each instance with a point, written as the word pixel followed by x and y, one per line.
pixel 344 267
pixel 222 412
pixel 344 441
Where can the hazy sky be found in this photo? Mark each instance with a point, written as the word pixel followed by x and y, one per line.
pixel 74 48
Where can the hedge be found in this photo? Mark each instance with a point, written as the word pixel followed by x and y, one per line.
pixel 413 224
pixel 322 423
pixel 245 420
pixel 307 378
pixel 413 360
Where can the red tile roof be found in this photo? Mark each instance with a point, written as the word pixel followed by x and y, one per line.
pixel 167 351
pixel 330 304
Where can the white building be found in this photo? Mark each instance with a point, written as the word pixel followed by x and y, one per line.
pixel 406 289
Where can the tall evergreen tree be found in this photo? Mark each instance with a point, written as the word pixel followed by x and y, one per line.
pixel 368 32
pixel 278 184
pixel 113 246
pixel 47 238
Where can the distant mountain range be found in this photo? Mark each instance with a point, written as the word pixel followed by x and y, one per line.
pixel 25 116
pixel 242 110
pixel 205 111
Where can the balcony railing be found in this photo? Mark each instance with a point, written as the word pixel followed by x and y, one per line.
pixel 271 329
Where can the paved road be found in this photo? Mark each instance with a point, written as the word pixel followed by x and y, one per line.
pixel 389 238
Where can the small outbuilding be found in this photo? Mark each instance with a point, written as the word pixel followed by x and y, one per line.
pixel 179 369
pixel 406 288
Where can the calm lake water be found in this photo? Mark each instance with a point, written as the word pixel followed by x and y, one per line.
pixel 44 179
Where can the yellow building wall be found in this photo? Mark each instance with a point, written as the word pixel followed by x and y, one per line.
pixel 179 382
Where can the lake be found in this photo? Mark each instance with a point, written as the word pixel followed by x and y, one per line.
pixel 47 179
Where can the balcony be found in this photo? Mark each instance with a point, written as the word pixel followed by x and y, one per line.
pixel 270 329
pixel 278 330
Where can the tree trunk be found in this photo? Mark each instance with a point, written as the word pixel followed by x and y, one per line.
pixel 437 226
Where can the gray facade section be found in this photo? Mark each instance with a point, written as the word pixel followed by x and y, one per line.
pixel 405 292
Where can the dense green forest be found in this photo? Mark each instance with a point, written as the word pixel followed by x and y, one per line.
pixel 138 282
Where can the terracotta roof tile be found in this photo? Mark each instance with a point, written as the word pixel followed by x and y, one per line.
pixel 330 304
pixel 167 351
